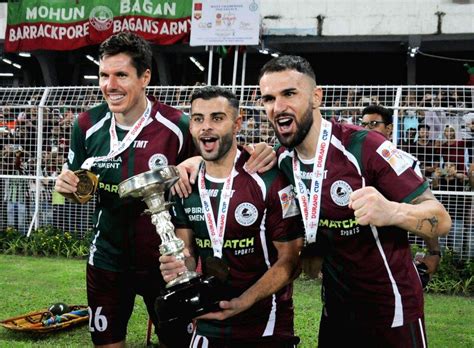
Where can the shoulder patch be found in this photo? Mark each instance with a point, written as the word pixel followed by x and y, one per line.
pixel 397 159
pixel 289 207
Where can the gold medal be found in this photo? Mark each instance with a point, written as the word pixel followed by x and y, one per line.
pixel 86 187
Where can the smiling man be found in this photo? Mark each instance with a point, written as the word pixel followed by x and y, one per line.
pixel 358 196
pixel 253 227
pixel 128 135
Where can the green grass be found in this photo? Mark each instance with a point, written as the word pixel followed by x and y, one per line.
pixel 28 283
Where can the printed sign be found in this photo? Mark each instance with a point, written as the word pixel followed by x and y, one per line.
pixel 230 22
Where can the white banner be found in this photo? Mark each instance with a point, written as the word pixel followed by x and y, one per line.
pixel 225 22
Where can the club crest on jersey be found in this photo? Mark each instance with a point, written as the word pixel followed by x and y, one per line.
pixel 157 160
pixel 341 192
pixel 246 214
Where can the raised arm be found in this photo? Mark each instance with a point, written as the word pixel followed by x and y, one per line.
pixel 425 216
pixel 280 274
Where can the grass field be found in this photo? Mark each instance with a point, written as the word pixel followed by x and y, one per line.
pixel 28 283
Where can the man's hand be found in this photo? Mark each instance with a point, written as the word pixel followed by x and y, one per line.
pixel 262 158
pixel 66 182
pixel 229 309
pixel 371 207
pixel 188 171
pixel 432 262
pixel 171 267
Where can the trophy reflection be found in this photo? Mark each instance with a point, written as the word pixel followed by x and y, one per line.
pixel 190 294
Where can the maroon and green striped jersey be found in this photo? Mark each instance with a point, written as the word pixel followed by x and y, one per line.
pixel 369 278
pixel 262 209
pixel 124 238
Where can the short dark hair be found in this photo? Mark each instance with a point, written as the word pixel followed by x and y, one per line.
pixel 131 44
pixel 288 63
pixel 211 92
pixel 423 125
pixel 386 114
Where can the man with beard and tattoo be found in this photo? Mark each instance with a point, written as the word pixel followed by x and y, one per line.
pixel 359 196
pixel 253 226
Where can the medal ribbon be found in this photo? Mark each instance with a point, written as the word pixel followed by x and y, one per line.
pixel 116 146
pixel 216 232
pixel 311 208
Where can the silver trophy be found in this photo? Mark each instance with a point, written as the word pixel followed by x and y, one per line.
pixel 151 187
pixel 190 294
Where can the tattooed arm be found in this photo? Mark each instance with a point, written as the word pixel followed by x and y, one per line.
pixel 425 216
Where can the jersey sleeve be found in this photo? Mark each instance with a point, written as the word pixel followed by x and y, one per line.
pixel 390 170
pixel 77 150
pixel 284 221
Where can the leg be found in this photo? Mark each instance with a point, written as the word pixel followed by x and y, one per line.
pixel 174 335
pixel 410 335
pixel 110 296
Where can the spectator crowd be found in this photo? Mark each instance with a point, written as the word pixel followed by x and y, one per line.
pixel 432 126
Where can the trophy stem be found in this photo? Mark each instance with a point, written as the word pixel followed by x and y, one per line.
pixel 151 187
pixel 170 244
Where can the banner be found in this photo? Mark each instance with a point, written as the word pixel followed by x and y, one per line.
pixel 225 22
pixel 71 24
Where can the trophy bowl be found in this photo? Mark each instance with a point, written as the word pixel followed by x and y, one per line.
pixel 190 294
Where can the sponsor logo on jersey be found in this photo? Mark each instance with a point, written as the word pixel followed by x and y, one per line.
pixel 348 227
pixel 194 213
pixel 242 246
pixel 140 144
pixel 215 192
pixel 114 163
pixel 349 223
pixel 310 175
pixel 157 160
pixel 289 207
pixel 341 192
pixel 108 187
pixel 70 156
pixel 246 214
pixel 398 160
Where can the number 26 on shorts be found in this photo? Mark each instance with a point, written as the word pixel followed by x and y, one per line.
pixel 97 321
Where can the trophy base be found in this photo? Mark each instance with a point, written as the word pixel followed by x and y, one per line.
pixel 188 300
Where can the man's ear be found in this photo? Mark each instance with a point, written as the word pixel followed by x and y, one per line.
pixel 146 78
pixel 390 130
pixel 237 124
pixel 317 97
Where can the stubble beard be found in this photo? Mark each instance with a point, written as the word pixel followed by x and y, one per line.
pixel 225 143
pixel 302 130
